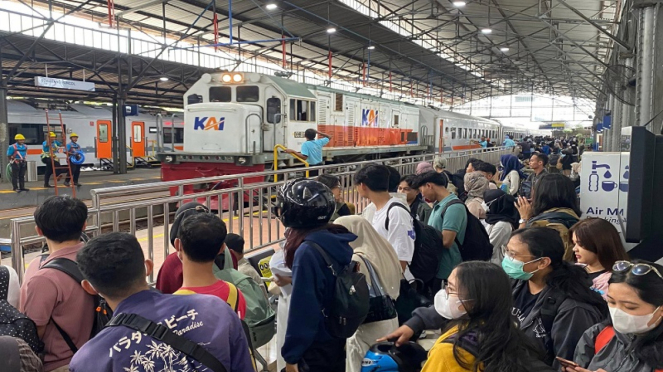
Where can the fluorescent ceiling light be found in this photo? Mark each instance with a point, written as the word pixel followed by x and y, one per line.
pixel 271 6
pixel 371 47
pixel 163 78
pixel 486 31
pixel 459 4
pixel 504 49
pixel 331 30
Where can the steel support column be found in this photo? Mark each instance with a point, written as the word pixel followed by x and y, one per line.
pixel 645 68
pixel 617 114
pixel 4 129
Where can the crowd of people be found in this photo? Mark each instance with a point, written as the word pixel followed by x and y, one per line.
pixel 553 293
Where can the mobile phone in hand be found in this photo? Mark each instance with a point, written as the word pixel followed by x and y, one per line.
pixel 567 363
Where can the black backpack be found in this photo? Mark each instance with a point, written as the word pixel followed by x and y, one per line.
pixel 103 312
pixel 14 323
pixel 427 246
pixel 349 306
pixel 476 246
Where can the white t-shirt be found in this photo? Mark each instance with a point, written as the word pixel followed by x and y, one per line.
pixel 14 288
pixel 400 233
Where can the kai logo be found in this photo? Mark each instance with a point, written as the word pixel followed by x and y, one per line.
pixel 208 123
pixel 369 118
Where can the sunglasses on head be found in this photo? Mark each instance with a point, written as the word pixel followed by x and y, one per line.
pixel 638 269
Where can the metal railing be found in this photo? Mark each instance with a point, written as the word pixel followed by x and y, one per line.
pixel 245 203
pixel 276 160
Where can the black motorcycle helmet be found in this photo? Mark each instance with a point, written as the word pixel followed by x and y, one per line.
pixel 387 357
pixel 304 204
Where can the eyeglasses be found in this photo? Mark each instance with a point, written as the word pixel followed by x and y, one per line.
pixel 638 269
pixel 445 288
pixel 511 255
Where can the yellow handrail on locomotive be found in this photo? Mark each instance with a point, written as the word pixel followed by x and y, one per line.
pixel 276 160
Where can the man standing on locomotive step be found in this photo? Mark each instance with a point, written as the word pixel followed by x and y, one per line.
pixel 73 150
pixel 312 149
pixel 17 158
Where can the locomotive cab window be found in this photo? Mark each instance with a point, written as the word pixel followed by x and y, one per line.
pixel 299 110
pixel 453 133
pixel 273 108
pixel 220 94
pixel 396 121
pixel 194 98
pixel 249 93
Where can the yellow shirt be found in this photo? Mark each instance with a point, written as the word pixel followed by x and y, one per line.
pixel 441 356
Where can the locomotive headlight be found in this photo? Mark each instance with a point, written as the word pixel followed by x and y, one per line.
pixel 237 78
pixel 226 78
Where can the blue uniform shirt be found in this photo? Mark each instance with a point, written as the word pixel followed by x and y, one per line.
pixel 205 320
pixel 17 151
pixel 313 150
pixel 73 147
pixel 54 146
pixel 509 143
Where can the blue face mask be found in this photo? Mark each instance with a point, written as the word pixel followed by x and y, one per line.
pixel 514 268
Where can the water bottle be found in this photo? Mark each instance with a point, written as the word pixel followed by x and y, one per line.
pixel 594 182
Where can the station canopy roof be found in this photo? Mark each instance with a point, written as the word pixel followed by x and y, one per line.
pixel 446 51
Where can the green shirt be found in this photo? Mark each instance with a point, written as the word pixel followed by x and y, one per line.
pixel 454 219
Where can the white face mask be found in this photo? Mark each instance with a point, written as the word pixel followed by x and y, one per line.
pixel 447 305
pixel 485 206
pixel 631 324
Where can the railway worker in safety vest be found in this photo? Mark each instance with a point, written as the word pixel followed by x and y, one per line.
pixel 73 150
pixel 49 150
pixel 18 153
pixel 312 149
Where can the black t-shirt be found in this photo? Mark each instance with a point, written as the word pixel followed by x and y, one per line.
pixel 523 303
pixel 595 275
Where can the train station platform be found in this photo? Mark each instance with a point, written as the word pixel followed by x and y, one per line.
pixel 89 180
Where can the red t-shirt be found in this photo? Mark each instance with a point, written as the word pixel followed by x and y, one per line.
pixel 219 289
pixel 170 277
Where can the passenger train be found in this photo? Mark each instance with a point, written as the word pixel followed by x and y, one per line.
pixel 233 122
pixel 93 124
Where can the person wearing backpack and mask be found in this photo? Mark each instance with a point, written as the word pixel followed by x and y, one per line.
pixel 318 253
pixel 61 309
pixel 552 298
pixel 555 206
pixel 632 339
pixel 480 334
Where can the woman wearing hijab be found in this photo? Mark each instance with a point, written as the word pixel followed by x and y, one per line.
pixel 501 220
pixel 475 185
pixel 377 251
pixel 511 174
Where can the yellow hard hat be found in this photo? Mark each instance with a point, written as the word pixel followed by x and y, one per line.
pixel 73 135
pixel 19 137
pixel 52 135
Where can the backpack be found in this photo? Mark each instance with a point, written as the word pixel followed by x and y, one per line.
pixel 260 317
pixel 476 246
pixel 14 323
pixel 604 337
pixel 349 304
pixel 427 245
pixel 102 311
pixel 16 356
pixel 561 222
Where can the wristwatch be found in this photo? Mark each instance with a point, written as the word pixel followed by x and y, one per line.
pixel 520 221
